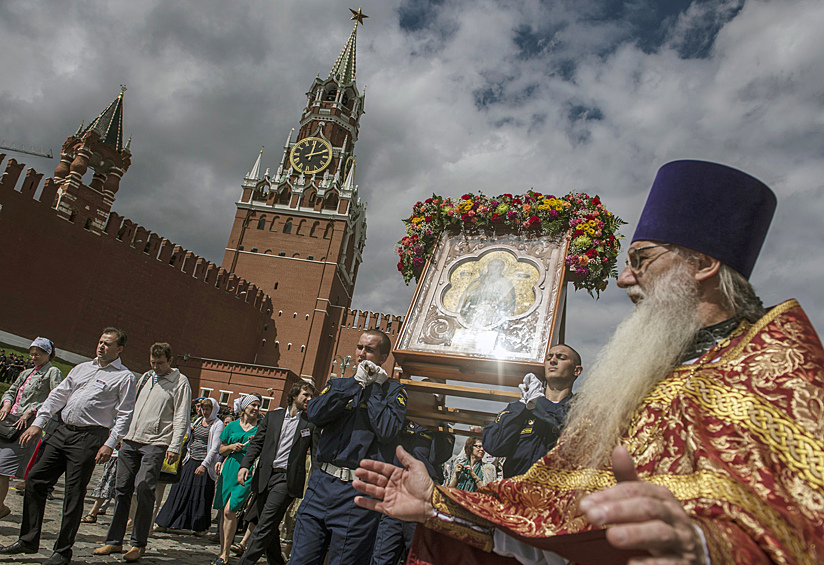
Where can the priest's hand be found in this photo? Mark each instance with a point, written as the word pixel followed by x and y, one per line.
pixel 405 494
pixel 645 516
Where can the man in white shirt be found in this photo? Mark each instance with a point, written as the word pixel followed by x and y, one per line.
pixel 90 412
pixel 161 418
pixel 282 440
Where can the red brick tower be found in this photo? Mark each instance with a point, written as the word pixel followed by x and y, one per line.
pixel 99 147
pixel 299 235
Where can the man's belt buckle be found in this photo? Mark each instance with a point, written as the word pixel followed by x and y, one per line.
pixel 343 473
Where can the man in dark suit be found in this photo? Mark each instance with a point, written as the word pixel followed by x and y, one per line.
pixel 282 441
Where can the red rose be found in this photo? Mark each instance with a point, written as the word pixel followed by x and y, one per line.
pixel 592 253
pixel 577 233
pixel 400 266
pixel 495 218
pixel 466 197
pixel 428 218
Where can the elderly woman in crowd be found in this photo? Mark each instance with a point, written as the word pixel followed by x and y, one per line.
pixel 187 507
pixel 231 496
pixel 471 473
pixel 19 405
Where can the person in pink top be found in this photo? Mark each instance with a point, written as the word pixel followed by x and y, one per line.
pixel 19 406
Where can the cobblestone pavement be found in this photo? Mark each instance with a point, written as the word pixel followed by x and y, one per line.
pixel 183 548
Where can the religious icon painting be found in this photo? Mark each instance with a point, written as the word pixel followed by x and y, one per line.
pixel 486 308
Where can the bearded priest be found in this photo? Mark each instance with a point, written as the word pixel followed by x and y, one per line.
pixel 697 437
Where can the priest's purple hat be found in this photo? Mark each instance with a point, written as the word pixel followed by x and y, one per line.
pixel 710 208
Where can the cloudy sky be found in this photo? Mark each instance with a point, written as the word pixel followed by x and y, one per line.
pixel 490 96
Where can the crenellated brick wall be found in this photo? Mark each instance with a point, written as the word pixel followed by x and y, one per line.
pixel 65 282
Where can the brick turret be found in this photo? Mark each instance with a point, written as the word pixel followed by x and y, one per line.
pixel 98 147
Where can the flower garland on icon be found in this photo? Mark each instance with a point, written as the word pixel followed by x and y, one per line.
pixel 591 229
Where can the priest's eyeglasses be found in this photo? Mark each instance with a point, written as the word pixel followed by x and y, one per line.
pixel 635 259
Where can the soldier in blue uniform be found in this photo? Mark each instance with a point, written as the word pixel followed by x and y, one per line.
pixel 527 429
pixel 359 417
pixel 433 448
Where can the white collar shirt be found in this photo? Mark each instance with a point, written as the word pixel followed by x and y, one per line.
pixel 92 395
pixel 287 438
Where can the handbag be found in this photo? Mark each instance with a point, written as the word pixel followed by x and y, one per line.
pixel 8 430
pixel 170 474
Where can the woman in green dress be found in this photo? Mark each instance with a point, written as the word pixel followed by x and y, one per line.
pixel 230 496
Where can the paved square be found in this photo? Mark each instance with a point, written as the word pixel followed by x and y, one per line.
pixel 183 549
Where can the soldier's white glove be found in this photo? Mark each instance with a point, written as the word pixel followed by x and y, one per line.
pixel 368 373
pixel 531 390
pixel 381 377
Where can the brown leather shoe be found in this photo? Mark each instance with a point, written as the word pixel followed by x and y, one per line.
pixel 134 553
pixel 108 549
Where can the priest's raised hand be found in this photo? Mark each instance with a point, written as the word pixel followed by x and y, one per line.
pixel 402 493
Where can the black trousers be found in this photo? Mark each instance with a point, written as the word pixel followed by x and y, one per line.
pixel 72 453
pixel 138 469
pixel 271 505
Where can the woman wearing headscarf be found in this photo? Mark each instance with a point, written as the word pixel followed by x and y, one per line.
pixel 187 507
pixel 230 495
pixel 19 406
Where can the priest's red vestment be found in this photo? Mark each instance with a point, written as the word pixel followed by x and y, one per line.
pixel 739 440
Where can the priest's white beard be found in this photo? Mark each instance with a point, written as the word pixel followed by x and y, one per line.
pixel 641 352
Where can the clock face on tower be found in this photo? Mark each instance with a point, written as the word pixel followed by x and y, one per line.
pixel 311 155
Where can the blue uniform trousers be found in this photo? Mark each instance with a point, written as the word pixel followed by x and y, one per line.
pixel 329 520
pixel 393 541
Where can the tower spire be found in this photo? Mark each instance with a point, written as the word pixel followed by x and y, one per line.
pixel 255 172
pixel 344 69
pixel 109 124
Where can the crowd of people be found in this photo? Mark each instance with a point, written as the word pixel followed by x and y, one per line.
pixel 11 364
pixel 667 452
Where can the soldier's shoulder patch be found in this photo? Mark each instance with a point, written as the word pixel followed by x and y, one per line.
pixel 402 400
pixel 326 389
pixel 498 417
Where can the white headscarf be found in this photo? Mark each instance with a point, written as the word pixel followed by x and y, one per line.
pixel 215 409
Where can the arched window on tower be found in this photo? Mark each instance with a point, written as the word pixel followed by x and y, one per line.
pixel 331 202
pixel 285 197
pixel 331 94
pixel 330 227
pixel 344 99
pixel 274 223
pixel 287 227
pixel 262 223
pixel 314 229
pixel 309 199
